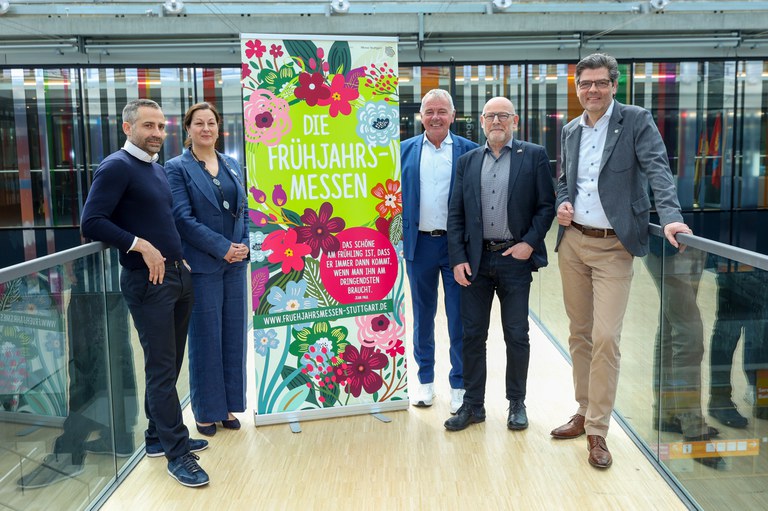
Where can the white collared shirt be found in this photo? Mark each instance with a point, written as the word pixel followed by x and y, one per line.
pixel 144 156
pixel 588 210
pixel 435 171
pixel 140 153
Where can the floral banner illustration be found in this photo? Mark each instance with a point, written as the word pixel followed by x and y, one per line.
pixel 321 123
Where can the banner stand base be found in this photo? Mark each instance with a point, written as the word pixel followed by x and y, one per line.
pixel 381 417
pixel 295 426
pixel 328 413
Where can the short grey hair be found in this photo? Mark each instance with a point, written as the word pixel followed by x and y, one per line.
pixel 438 94
pixel 131 110
pixel 596 61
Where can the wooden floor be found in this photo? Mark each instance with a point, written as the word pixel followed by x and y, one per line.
pixel 412 462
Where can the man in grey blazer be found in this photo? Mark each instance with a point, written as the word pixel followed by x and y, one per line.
pixel 501 207
pixel 609 155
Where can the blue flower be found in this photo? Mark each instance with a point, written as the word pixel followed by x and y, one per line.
pixel 264 340
pixel 378 124
pixel 291 300
pixel 53 344
pixel 257 254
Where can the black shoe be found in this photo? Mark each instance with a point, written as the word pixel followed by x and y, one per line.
pixel 675 425
pixel 231 424
pixel 728 414
pixel 761 412
pixel 208 430
pixel 466 415
pixel 517 418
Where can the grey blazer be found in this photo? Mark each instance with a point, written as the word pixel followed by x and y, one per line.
pixel 634 156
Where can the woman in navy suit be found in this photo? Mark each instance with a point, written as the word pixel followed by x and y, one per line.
pixel 210 208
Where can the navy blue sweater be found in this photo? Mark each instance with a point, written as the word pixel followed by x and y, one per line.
pixel 130 198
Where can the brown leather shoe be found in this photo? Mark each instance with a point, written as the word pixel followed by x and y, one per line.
pixel 573 429
pixel 599 457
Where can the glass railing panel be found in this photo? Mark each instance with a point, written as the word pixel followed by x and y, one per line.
pixel 70 381
pixel 694 356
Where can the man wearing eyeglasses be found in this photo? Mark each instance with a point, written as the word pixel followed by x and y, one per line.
pixel 609 155
pixel 428 164
pixel 501 207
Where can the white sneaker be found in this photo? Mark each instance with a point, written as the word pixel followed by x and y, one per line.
pixel 457 399
pixel 423 395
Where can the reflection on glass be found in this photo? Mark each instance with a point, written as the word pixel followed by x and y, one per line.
pixel 679 346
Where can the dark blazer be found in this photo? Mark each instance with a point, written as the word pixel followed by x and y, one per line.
pixel 198 214
pixel 634 156
pixel 410 165
pixel 530 206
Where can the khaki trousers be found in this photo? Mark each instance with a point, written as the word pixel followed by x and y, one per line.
pixel 596 275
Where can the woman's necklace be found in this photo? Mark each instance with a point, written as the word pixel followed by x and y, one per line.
pixel 216 182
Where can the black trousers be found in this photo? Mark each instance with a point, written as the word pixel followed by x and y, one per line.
pixel 161 315
pixel 510 279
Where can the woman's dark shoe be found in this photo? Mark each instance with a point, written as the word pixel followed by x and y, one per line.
pixel 231 424
pixel 209 430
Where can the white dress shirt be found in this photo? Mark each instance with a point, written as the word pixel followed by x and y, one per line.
pixel 435 171
pixel 588 210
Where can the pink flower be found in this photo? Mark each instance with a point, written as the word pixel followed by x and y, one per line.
pixel 261 108
pixel 285 250
pixel 254 48
pixel 340 97
pixel 374 333
pixel 258 218
pixel 258 195
pixel 312 89
pixel 392 198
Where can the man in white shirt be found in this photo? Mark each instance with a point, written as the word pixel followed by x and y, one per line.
pixel 428 164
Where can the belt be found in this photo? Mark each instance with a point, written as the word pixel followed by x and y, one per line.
pixel 593 232
pixel 436 233
pixel 496 245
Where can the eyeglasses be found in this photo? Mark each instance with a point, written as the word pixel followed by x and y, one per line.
pixel 600 84
pixel 503 116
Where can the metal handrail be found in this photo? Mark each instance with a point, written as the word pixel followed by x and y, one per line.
pixel 737 254
pixel 45 262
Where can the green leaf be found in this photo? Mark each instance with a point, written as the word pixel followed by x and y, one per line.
pixel 315 287
pixel 293 399
pixel 396 229
pixel 340 58
pixel 292 216
pixel 303 50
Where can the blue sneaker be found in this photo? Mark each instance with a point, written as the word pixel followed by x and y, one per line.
pixel 195 445
pixel 186 470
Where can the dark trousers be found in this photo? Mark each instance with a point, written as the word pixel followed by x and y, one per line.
pixel 217 343
pixel 161 316
pixel 510 279
pixel 430 263
pixel 740 305
pixel 100 364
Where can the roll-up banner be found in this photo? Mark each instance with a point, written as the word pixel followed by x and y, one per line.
pixel 322 139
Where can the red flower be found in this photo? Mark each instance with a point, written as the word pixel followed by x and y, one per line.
pixel 379 323
pixel 312 89
pixel 318 229
pixel 276 50
pixel 245 71
pixel 340 97
pixel 254 48
pixel 285 250
pixel 396 349
pixel 392 198
pixel 264 119
pixel 360 369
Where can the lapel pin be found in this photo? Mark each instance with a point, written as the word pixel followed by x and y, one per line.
pixel 519 150
pixel 616 130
